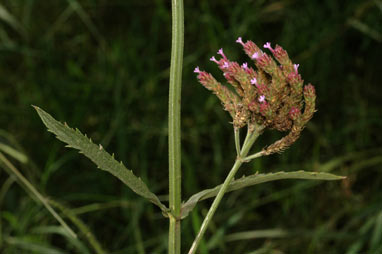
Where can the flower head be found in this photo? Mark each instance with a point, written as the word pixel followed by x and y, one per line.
pixel 273 95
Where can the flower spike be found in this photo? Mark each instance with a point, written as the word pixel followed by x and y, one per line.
pixel 272 96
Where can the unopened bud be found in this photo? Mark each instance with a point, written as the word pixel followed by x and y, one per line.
pixel 309 92
pixel 265 109
pixel 266 63
pixel 281 55
pixel 294 113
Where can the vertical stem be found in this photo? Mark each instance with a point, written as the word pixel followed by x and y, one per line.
pixel 251 138
pixel 174 126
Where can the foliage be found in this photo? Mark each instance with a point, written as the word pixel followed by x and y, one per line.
pixel 118 64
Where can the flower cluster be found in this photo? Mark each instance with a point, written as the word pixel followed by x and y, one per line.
pixel 272 95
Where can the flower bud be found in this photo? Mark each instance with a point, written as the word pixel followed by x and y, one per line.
pixel 309 91
pixel 294 113
pixel 266 63
pixel 282 56
pixel 265 110
pixel 251 48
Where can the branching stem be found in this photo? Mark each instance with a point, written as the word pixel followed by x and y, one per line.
pixel 249 141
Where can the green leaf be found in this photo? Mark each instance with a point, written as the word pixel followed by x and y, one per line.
pixel 252 180
pixel 104 161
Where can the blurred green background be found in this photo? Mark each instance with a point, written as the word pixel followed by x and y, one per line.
pixel 103 66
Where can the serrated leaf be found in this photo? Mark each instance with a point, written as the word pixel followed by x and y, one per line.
pixel 75 139
pixel 253 180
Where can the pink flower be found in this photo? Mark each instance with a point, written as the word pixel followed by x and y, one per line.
pixel 220 52
pixel 213 59
pixel 254 81
pixel 239 40
pixel 262 98
pixel 255 55
pixel 244 66
pixel 295 66
pixel 268 46
pixel 225 65
pixel 196 70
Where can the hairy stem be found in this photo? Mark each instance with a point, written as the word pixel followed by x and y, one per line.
pixel 174 126
pixel 250 139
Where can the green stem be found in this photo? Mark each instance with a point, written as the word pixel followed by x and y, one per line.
pixel 174 126
pixel 253 156
pixel 250 139
pixel 247 136
pixel 237 140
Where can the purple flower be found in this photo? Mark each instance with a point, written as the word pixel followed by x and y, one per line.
pixel 295 66
pixel 268 46
pixel 255 55
pixel 239 40
pixel 262 98
pixel 220 52
pixel 196 70
pixel 254 81
pixel 244 66
pixel 213 59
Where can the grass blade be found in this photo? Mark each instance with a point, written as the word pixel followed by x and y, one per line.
pixel 14 171
pixel 7 17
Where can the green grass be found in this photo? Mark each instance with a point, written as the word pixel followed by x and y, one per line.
pixel 104 68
